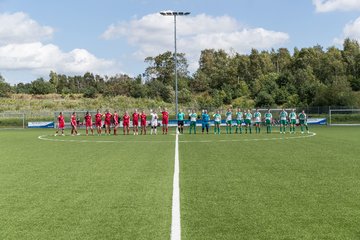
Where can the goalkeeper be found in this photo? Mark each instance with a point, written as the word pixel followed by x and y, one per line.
pixel 205 122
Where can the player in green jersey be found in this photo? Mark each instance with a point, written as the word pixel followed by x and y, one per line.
pixel 292 118
pixel 180 118
pixel 239 120
pixel 193 117
pixel 217 121
pixel 228 121
pixel 303 121
pixel 268 121
pixel 283 121
pixel 257 120
pixel 248 117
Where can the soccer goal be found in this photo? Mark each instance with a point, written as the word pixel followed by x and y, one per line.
pixel 12 120
pixel 344 117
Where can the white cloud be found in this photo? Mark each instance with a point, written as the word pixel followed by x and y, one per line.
pixel 334 5
pixel 22 49
pixel 20 28
pixel 43 58
pixel 351 30
pixel 153 34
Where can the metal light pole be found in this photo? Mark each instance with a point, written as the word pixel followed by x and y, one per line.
pixel 172 13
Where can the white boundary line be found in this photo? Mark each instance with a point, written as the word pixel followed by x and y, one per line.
pixel 19 128
pixel 175 213
pixel 281 137
pixel 58 139
pixel 311 134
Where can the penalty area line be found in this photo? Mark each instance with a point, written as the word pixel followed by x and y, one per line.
pixel 175 213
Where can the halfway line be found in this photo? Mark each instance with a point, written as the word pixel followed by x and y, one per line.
pixel 175 214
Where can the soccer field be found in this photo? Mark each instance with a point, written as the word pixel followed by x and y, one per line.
pixel 259 186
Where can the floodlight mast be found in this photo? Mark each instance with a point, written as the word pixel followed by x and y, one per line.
pixel 172 13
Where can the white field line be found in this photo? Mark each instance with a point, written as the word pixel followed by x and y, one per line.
pixel 311 134
pixel 60 139
pixel 175 214
pixel 282 137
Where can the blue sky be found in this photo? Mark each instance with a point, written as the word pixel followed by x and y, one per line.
pixel 111 36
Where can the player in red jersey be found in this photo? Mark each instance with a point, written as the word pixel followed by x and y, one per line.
pixel 116 122
pixel 88 123
pixel 74 125
pixel 165 121
pixel 61 124
pixel 135 119
pixel 108 117
pixel 98 118
pixel 143 122
pixel 126 123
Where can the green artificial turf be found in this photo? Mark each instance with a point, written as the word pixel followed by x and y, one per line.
pixel 306 188
pixel 77 190
pixel 256 186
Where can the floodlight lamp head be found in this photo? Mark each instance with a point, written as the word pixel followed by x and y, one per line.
pixel 172 13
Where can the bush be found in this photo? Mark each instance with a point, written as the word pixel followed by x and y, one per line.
pixel 204 101
pixel 264 99
pixel 41 87
pixel 90 93
pixel 242 102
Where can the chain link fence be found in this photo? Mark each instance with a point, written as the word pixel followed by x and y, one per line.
pixel 20 118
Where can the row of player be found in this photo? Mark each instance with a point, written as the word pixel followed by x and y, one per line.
pixel 114 120
pixel 247 118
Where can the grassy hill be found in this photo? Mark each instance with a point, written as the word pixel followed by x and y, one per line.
pixel 56 102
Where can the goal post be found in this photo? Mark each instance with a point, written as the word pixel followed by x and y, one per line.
pixel 12 120
pixel 344 117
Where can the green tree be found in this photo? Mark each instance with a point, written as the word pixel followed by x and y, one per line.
pixel 5 88
pixel 281 59
pixel 332 66
pixel 264 99
pixel 40 86
pixel 54 80
pixel 137 90
pixel 307 85
pixel 200 82
pixel 337 94
pixel 213 65
pixel 162 67
pixel 23 88
pixel 204 101
pixel 351 55
pixel 90 92
pixel 218 97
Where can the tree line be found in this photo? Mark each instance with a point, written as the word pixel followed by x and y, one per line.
pixel 307 77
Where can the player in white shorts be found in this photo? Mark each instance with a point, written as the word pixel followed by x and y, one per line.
pixel 154 122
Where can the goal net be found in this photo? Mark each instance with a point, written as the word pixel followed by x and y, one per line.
pixel 344 117
pixel 12 120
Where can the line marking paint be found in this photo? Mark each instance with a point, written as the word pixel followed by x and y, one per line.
pixel 282 137
pixel 175 215
pixel 311 134
pixel 60 139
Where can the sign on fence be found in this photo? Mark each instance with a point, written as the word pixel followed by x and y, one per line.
pixel 41 125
